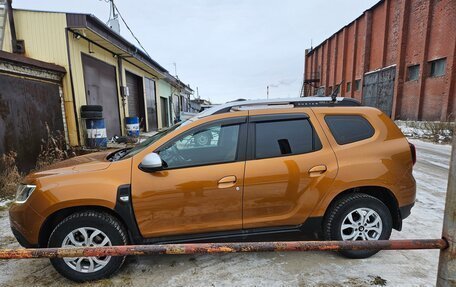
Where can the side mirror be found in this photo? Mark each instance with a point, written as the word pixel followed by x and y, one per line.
pixel 151 162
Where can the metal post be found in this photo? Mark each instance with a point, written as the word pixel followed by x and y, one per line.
pixel 447 263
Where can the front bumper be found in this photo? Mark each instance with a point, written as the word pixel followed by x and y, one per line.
pixel 22 240
pixel 25 223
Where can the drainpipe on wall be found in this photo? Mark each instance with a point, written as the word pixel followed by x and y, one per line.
pixel 17 45
pixel 122 89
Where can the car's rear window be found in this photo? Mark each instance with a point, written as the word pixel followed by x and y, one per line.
pixel 349 128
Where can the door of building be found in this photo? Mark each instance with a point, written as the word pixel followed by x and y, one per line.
pixel 151 104
pixel 136 98
pixel 164 111
pixel 28 109
pixel 378 89
pixel 101 89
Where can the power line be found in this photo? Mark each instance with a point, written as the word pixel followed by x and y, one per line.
pixel 128 27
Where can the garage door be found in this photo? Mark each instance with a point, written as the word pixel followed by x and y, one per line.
pixel 151 105
pixel 101 89
pixel 26 108
pixel 135 98
pixel 378 89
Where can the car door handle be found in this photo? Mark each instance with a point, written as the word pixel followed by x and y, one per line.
pixel 227 181
pixel 317 170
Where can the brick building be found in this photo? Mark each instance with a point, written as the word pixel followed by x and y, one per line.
pixel 399 55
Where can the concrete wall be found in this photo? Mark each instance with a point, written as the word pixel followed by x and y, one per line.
pixel 394 32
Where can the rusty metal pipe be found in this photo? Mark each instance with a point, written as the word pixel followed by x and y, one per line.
pixel 194 248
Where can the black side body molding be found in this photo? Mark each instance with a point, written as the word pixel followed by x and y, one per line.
pixel 125 210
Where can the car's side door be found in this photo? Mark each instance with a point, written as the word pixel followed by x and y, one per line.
pixel 290 166
pixel 200 189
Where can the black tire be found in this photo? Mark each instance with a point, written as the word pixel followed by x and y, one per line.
pixel 104 222
pixel 91 108
pixel 338 211
pixel 91 115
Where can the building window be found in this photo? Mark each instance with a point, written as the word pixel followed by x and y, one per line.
pixel 413 72
pixel 437 67
pixel 357 85
pixel 349 87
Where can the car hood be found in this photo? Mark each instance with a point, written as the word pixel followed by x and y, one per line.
pixel 85 163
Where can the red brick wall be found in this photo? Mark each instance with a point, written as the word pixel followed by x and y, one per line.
pixel 349 56
pixel 378 38
pixel 393 32
pixel 401 33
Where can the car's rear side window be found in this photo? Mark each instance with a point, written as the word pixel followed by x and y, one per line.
pixel 349 128
pixel 284 137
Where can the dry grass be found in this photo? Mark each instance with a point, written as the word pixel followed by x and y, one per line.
pixel 438 132
pixel 53 149
pixel 10 176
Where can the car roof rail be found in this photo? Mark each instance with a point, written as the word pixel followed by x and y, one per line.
pixel 280 103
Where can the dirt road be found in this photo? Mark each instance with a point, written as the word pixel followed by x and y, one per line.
pixel 388 268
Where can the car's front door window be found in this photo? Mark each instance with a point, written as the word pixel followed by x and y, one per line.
pixel 213 144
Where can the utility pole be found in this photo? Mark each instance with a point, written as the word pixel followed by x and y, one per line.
pixel 267 92
pixel 113 21
pixel 447 264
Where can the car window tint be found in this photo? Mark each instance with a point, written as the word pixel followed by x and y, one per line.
pixel 213 144
pixel 281 138
pixel 349 128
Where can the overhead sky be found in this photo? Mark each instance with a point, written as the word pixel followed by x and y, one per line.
pixel 230 49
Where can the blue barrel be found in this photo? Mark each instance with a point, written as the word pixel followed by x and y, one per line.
pixel 132 124
pixel 96 133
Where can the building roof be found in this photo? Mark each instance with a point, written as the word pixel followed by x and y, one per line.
pixel 93 29
pixel 21 59
pixel 87 21
pixel 176 82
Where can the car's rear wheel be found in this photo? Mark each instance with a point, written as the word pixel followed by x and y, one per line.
pixel 358 217
pixel 88 229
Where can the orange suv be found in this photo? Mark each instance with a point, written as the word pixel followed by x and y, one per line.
pixel 321 166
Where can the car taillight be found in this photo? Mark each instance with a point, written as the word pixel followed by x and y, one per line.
pixel 413 151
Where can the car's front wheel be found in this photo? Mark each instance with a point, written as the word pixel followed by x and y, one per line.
pixel 88 229
pixel 358 217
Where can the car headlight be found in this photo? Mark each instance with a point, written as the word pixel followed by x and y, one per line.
pixel 23 192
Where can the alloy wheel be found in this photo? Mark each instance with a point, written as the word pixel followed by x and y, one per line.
pixel 362 224
pixel 86 237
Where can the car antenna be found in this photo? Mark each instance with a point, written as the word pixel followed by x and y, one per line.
pixel 335 92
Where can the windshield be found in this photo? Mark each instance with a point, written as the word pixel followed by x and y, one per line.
pixel 140 147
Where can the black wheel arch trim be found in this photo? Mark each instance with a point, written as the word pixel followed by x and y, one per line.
pixel 124 209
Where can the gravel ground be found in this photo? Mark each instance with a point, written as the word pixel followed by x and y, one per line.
pixel 387 268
